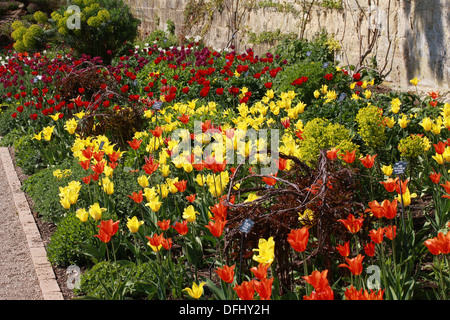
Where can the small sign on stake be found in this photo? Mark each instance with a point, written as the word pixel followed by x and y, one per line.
pixel 101 145
pixel 399 167
pixel 157 105
pixel 246 225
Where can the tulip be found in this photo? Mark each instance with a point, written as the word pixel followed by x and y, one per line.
pixel 260 272
pixel 143 181
pixel 196 291
pixel 96 212
pixel 298 239
pixel 353 225
pixel 181 227
pixel 263 288
pixel 349 157
pixel 354 265
pixel 82 214
pixel 344 250
pixel 226 273
pixel 164 224
pixel 266 251
pixel 216 227
pixel 134 224
pixel 190 214
pixel 368 161
pixel 245 290
pixel 377 235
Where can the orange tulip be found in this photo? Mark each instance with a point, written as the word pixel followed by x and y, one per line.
pixel 368 161
pixel 226 273
pixel 298 239
pixel 245 290
pixel 270 181
pixel 164 224
pixel 354 265
pixel 155 241
pixel 184 118
pixel 353 294
pixel 322 289
pixel 149 168
pixel 263 288
pixel 446 186
pixel 369 249
pixel 135 144
pixel 107 230
pixel 403 185
pixel 219 211
pixel 317 279
pixel 344 250
pixel 435 177
pixel 85 164
pixel 439 244
pixel 332 153
pixel 439 147
pixel 157 132
pixel 216 227
pixel 389 208
pixel 353 225
pixel 390 184
pixel 390 232
pixel 181 227
pixel 87 153
pixel 376 209
pixel 260 272
pixel 191 198
pixel 137 196
pixel 181 185
pixel 349 157
pixel 98 167
pixel 377 235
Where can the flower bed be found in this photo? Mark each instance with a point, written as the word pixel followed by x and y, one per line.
pixel 188 173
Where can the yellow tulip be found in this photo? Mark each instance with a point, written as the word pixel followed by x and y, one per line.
pixel 189 214
pixel 108 186
pixel 426 124
pixel 96 212
pixel 414 81
pixel 154 204
pixel 143 181
pixel 65 203
pixel 71 125
pixel 406 197
pixel 266 250
pixel 196 291
pixel 387 170
pixel 134 224
pixel 403 121
pixel 82 214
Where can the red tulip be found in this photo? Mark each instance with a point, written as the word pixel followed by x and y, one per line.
pixel 245 290
pixel 353 225
pixel 226 273
pixel 354 265
pixel 298 239
pixel 344 250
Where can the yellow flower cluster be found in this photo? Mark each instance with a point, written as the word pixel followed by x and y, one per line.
pixel 69 195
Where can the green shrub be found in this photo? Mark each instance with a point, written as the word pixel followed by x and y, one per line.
pixel 105 273
pixel 372 127
pixel 319 134
pixel 107 26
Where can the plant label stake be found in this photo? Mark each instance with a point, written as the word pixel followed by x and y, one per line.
pixel 399 169
pixel 244 228
pixel 101 145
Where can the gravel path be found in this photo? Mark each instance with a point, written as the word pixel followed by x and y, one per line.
pixel 18 278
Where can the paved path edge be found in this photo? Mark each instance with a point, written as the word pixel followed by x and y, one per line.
pixel 44 271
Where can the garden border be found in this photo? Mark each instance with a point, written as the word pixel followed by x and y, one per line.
pixel 44 271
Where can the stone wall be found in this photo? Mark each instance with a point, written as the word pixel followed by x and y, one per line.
pixel 413 39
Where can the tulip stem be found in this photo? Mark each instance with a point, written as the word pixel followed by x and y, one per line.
pixel 305 269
